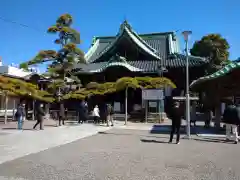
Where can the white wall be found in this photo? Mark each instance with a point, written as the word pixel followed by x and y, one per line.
pixel 13 71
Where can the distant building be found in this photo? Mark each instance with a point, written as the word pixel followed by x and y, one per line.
pixel 14 72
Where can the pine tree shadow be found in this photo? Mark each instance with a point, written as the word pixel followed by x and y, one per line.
pixel 153 141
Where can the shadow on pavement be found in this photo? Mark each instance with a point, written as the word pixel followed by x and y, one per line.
pixel 213 140
pixel 128 134
pixel 51 125
pixel 28 129
pixel 166 129
pixel 152 141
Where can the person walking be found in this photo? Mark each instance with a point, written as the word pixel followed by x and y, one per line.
pixel 81 113
pixel 175 115
pixel 61 114
pixel 85 112
pixel 20 114
pixel 231 117
pixel 110 113
pixel 39 115
pixel 96 115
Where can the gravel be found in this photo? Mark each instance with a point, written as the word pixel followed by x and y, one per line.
pixel 129 155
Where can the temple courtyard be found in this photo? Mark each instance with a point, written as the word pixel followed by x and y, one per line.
pixel 123 153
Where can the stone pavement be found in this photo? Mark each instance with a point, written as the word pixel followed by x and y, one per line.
pixel 11 127
pixel 21 143
pixel 120 154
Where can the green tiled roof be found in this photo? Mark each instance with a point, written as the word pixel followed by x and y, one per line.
pixel 157 45
pixel 227 69
pixel 161 49
pixel 174 61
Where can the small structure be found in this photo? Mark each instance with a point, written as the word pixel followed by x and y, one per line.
pixel 219 86
pixel 8 104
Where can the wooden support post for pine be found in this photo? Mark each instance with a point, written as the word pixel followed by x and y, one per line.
pixel 126 108
pixel 14 107
pixel 146 110
pixel 6 107
pixel 33 110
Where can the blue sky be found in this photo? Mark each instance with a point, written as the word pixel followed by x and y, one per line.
pixel 102 18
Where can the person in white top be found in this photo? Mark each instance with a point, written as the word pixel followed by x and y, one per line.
pixel 96 115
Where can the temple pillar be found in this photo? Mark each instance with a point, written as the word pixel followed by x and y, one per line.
pixel 218 115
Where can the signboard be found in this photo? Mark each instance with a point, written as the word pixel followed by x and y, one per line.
pixel 117 107
pixel 152 94
pixel 168 91
pixel 153 104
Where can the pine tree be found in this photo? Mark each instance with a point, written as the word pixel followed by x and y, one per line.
pixel 59 71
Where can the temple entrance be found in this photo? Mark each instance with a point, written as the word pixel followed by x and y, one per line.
pixel 117 99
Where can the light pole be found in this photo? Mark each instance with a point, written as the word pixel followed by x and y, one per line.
pixel 186 36
pixel 161 70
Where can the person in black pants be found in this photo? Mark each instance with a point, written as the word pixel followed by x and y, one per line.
pixel 39 115
pixel 61 114
pixel 176 121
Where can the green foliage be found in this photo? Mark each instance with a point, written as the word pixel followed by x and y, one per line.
pixel 94 88
pixel 214 47
pixel 62 61
pixel 16 87
pixel 126 82
pixel 24 66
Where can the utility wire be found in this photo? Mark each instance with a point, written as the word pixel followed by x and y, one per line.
pixel 19 24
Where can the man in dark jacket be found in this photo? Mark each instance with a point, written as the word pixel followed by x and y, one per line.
pixel 82 112
pixel 175 115
pixel 39 115
pixel 61 114
pixel 231 117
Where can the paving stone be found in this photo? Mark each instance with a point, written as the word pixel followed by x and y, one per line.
pixel 120 154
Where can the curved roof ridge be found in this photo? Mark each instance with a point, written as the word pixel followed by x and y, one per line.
pixel 91 50
pixel 225 70
pixel 141 39
pixel 126 29
pixel 196 57
pixel 124 64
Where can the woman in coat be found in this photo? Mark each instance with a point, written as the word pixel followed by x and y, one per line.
pixel 231 117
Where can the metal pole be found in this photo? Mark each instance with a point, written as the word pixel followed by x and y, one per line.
pixel 126 108
pixel 187 93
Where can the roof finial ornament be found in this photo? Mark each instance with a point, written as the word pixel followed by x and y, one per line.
pixel 125 24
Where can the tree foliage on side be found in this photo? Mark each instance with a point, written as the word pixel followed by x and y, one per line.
pixel 16 87
pixel 62 61
pixel 94 88
pixel 215 48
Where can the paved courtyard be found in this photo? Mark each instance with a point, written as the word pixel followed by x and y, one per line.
pixel 127 154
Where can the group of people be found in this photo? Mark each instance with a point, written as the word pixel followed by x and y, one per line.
pixel 20 115
pixel 105 114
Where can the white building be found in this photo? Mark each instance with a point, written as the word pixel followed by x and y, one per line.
pixel 14 72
